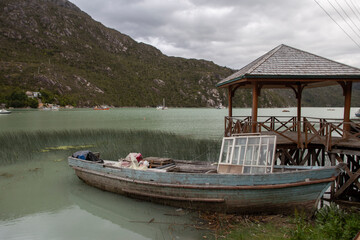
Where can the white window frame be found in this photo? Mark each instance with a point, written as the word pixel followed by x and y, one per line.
pixel 253 162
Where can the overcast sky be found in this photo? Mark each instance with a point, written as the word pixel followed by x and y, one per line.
pixel 233 33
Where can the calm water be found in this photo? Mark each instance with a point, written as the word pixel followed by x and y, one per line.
pixel 193 122
pixel 43 199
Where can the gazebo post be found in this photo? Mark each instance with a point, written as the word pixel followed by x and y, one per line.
pixel 298 96
pixel 254 115
pixel 230 101
pixel 347 87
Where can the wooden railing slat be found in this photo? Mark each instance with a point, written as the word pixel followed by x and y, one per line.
pixel 322 129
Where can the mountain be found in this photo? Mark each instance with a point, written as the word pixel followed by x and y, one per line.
pixel 53 46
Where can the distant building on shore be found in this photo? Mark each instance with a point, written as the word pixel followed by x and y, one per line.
pixel 33 94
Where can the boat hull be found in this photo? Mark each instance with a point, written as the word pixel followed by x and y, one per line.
pixel 212 191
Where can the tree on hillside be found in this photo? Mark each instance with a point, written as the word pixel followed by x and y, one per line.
pixel 32 102
pixel 17 99
pixel 47 96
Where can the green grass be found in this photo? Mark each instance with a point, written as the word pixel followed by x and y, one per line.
pixel 329 223
pixel 259 231
pixel 112 144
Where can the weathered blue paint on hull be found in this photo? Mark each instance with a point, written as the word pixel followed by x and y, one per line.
pixel 276 192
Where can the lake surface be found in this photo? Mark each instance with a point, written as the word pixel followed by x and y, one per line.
pixel 43 199
pixel 192 122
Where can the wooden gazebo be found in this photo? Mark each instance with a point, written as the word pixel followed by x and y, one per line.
pixel 288 67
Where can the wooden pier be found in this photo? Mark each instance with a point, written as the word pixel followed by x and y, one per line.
pixel 302 140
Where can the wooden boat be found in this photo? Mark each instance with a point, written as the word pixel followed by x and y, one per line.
pixel 244 180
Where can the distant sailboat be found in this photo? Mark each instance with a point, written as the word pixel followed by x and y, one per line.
pixel 163 107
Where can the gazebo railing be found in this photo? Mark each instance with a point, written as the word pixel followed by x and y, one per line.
pixel 327 132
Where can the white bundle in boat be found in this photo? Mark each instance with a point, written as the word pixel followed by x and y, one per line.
pixel 136 161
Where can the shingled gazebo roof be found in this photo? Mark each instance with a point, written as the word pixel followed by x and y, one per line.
pixel 286 65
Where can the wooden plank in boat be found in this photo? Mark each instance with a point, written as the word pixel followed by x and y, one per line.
pixel 193 168
pixel 157 162
pixel 165 168
pixel 226 168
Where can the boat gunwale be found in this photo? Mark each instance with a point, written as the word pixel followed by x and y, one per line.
pixel 300 169
pixel 204 186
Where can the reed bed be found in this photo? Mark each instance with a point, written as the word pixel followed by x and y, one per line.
pixel 112 144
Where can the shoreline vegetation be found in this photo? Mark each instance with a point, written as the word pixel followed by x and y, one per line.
pixel 111 143
pixel 70 107
pixel 330 222
pixel 20 99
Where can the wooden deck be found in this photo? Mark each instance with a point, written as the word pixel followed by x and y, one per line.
pixel 291 138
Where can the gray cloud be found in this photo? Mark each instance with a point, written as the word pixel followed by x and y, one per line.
pixel 229 33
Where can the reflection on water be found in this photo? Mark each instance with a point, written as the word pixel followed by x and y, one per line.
pixel 44 199
pixel 75 223
pixel 67 223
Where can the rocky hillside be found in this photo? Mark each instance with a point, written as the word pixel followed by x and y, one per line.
pixel 52 45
